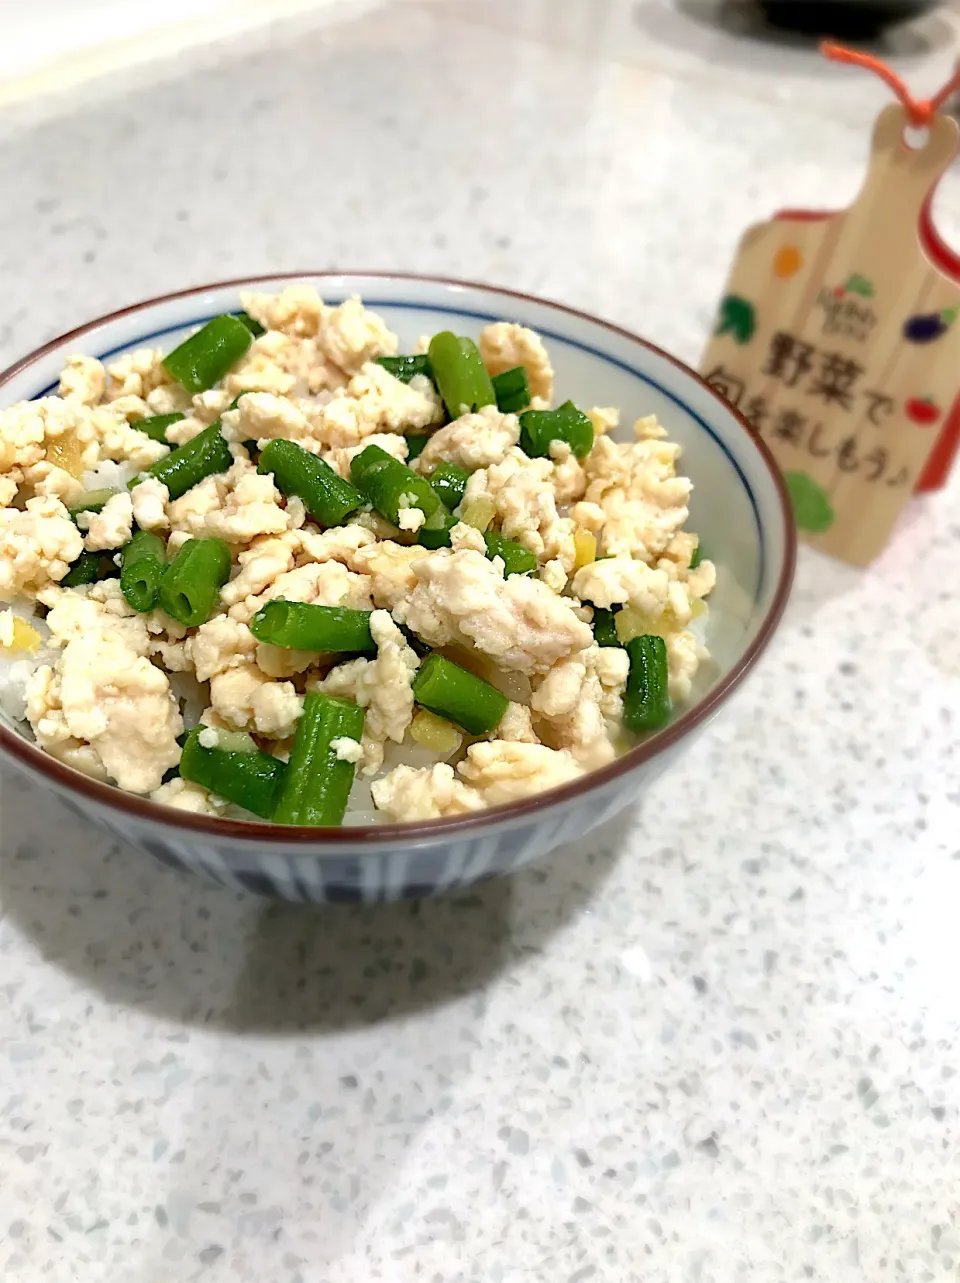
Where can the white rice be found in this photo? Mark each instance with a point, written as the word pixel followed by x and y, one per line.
pixel 108 473
pixel 190 695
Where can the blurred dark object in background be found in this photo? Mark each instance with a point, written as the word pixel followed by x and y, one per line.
pixel 844 19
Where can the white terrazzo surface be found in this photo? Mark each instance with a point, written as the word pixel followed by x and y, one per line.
pixel 716 1042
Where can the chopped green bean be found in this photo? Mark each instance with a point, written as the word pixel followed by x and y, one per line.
pixel 205 357
pixel 406 368
pixel 695 559
pixel 245 776
pixel 190 587
pixel 368 461
pixel 300 626
pixel 156 425
pixel 142 564
pixel 183 468
pixel 387 483
pixel 604 627
pixel 450 482
pixel 85 570
pixel 255 328
pixel 327 496
pixel 460 375
pixel 646 701
pixel 318 782
pixel 540 428
pixel 419 648
pixel 517 560
pixel 461 697
pixel 416 444
pixel 512 390
pixel 435 531
pixel 93 501
pixel 229 741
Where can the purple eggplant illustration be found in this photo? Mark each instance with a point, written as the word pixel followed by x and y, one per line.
pixel 929 326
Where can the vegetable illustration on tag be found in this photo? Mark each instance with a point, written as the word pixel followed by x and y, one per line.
pixel 737 318
pixel 924 329
pixel 858 284
pixel 837 336
pixel 922 410
pixel 787 262
pixel 810 503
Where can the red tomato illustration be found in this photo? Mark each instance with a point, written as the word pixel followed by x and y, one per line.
pixel 922 410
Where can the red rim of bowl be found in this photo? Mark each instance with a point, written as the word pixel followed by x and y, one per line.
pixel 379 835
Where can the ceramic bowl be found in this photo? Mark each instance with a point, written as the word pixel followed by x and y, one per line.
pixel 739 509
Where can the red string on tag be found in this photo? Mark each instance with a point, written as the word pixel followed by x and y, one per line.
pixel 920 111
pixel 937 469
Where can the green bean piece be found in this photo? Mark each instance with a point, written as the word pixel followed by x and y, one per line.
pixel 695 559
pixel 386 481
pixel 419 648
pixel 183 468
pixel 517 560
pixel 326 495
pixel 255 328
pixel 450 482
pixel 232 741
pixel 205 357
pixel 318 782
pixel 247 777
pixel 540 428
pixel 190 587
pixel 367 462
pixel 405 368
pixel 646 702
pixel 297 625
pixel 461 697
pixel 142 564
pixel 512 390
pixel 156 425
pixel 85 570
pixel 416 444
pixel 460 375
pixel 435 531
pixel 604 627
pixel 92 501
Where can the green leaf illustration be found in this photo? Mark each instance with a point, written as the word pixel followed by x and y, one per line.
pixel 858 284
pixel 737 317
pixel 811 506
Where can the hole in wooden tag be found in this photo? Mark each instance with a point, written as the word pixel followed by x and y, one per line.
pixel 916 137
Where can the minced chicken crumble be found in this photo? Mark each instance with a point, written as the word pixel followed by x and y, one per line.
pixel 109 690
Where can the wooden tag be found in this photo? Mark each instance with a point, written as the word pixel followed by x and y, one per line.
pixel 838 339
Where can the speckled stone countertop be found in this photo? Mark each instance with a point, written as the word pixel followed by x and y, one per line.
pixel 715 1042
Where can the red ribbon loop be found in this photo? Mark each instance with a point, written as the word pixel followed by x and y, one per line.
pixel 920 111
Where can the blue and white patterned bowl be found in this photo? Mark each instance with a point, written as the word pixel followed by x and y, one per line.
pixel 739 509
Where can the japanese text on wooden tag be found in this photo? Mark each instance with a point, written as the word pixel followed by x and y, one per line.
pixel 838 339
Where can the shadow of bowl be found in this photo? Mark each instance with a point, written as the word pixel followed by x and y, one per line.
pixel 152 939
